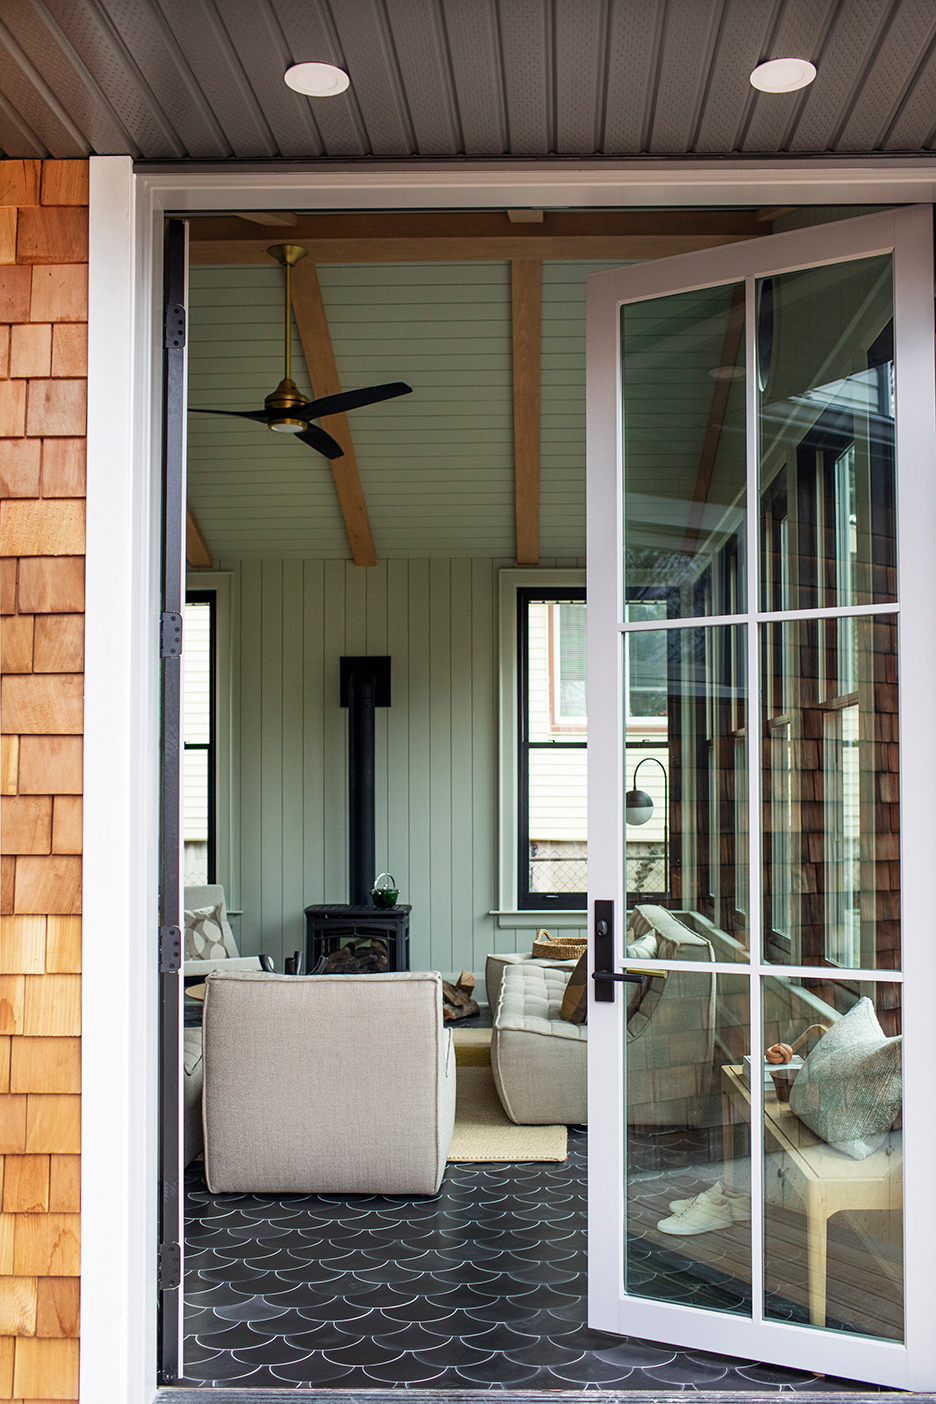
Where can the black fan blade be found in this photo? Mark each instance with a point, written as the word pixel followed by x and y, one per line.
pixel 260 415
pixel 354 399
pixel 317 439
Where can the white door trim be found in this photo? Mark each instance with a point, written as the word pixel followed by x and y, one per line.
pixel 909 233
pixel 119 1046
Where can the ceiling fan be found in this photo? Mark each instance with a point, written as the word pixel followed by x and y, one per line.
pixel 287 410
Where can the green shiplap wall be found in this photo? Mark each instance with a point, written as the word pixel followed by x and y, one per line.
pixel 437 780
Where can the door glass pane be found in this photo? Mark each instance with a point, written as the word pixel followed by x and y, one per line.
pixel 830 785
pixel 826 424
pixel 688 1228
pixel 833 1210
pixel 684 450
pixel 686 831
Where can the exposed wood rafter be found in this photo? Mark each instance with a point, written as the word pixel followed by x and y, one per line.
pixel 734 332
pixel 312 325
pixel 197 550
pixel 429 236
pixel 526 298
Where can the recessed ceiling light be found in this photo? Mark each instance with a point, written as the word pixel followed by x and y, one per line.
pixel 317 79
pixel 783 75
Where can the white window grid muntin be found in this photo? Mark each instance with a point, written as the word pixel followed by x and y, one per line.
pixel 633 1310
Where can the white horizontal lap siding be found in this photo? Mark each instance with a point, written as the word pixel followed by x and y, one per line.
pixel 557 798
pixel 197 684
pixel 436 465
pixel 650 782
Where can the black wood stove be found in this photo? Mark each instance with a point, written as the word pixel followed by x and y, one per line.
pixel 365 685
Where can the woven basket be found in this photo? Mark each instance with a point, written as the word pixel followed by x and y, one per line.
pixel 546 947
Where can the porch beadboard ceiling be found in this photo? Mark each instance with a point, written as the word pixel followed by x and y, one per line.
pixel 436 466
pixel 202 80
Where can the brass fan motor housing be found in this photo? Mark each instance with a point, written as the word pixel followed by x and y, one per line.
pixel 284 398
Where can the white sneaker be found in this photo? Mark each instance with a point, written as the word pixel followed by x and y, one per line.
pixel 702 1214
pixel 740 1203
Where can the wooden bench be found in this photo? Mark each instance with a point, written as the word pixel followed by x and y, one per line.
pixel 802 1170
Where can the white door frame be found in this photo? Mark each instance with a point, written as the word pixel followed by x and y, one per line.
pixel 119 1002
pixel 909 234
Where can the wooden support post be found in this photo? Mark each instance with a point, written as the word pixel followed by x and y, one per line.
pixel 197 550
pixel 312 325
pixel 526 291
pixel 734 334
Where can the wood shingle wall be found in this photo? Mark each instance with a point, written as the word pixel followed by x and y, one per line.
pixel 43 369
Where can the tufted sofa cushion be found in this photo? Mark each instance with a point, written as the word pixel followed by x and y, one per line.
pixel 539 1060
pixel 531 1002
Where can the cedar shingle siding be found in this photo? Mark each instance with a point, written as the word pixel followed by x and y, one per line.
pixel 43 388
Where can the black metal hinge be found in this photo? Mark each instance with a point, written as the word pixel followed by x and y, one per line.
pixel 170 950
pixel 170 1267
pixel 170 635
pixel 174 328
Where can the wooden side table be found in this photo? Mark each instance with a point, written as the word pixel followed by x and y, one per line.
pixel 800 1169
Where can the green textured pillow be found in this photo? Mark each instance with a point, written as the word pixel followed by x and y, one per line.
pixel 849 1089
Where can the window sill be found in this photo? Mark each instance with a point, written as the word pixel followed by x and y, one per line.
pixel 561 917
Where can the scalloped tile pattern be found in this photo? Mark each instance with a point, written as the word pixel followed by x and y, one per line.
pixel 481 1287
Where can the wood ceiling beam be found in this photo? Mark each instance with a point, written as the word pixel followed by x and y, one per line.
pixel 312 325
pixel 197 550
pixel 526 302
pixel 613 247
pixel 492 224
pixel 426 236
pixel 731 344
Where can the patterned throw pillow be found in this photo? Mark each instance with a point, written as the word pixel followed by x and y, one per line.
pixel 849 1089
pixel 204 936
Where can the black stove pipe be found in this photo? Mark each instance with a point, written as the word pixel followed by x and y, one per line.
pixel 362 844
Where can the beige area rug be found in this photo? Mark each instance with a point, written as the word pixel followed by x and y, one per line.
pixel 483 1131
pixel 472 1047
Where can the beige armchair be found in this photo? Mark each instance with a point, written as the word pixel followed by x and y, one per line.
pixel 326 1084
pixel 212 895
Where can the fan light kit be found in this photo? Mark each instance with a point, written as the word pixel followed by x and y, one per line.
pixel 317 79
pixel 287 410
pixel 783 75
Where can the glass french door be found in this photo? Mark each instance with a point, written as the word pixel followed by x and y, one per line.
pixel 762 545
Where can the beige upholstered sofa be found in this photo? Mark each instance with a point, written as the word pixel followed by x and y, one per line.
pixel 539 1060
pixel 338 1084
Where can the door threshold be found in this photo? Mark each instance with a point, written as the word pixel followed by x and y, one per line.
pixel 185 1395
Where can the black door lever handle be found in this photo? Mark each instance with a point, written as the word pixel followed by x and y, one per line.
pixel 620 975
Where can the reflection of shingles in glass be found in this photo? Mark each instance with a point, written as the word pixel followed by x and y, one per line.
pixel 826 429
pixel 684 444
pixel 831 835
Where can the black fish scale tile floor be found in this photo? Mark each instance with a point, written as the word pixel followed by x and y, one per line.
pixel 480 1287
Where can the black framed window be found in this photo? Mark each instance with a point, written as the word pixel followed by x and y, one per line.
pixel 552 731
pixel 199 804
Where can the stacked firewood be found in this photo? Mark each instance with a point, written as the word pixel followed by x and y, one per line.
pixel 458 1001
pixel 367 956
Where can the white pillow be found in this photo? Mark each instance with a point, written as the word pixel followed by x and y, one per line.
pixel 204 934
pixel 644 948
pixel 849 1088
